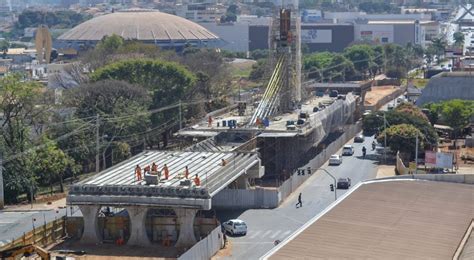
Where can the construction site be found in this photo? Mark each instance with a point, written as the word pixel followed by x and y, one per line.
pixel 170 204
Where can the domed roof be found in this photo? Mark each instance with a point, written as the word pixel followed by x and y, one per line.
pixel 144 25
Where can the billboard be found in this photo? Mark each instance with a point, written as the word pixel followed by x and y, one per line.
pixel 439 159
pixel 316 36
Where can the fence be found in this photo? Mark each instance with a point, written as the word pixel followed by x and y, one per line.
pixel 43 235
pixel 295 181
pixel 246 199
pixel 205 248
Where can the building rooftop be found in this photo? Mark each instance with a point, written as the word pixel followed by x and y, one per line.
pixel 396 219
pixel 142 25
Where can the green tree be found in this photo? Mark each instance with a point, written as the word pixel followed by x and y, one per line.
pixel 439 45
pixel 458 38
pixel 258 70
pixel 23 108
pixel 402 138
pixel 456 113
pixel 361 56
pixel 118 99
pixel 51 163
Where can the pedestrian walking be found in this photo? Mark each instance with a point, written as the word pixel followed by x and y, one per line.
pixel 300 203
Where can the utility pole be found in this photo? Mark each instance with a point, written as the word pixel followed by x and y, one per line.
pixel 97 143
pixel 180 115
pixel 384 139
pixel 2 198
pixel 416 154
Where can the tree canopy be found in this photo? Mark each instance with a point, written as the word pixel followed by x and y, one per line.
pixel 402 137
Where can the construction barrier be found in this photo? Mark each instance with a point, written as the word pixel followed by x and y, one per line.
pixel 206 248
pixel 245 199
pixel 43 235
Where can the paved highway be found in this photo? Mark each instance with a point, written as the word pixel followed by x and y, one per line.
pixel 266 226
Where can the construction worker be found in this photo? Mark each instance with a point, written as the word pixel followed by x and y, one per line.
pixel 197 181
pixel 147 169
pixel 138 173
pixel 186 172
pixel 224 162
pixel 166 171
pixel 209 121
pixel 154 167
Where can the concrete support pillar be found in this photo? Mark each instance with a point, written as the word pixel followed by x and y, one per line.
pixel 242 182
pixel 138 235
pixel 91 228
pixel 186 236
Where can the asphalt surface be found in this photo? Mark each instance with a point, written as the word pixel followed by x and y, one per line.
pixel 13 224
pixel 267 225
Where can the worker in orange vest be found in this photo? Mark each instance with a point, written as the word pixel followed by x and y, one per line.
pixel 138 173
pixel 154 167
pixel 147 169
pixel 186 172
pixel 197 181
pixel 209 121
pixel 166 171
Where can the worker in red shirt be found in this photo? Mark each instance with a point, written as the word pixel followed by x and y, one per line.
pixel 166 171
pixel 154 167
pixel 209 121
pixel 186 172
pixel 197 181
pixel 138 173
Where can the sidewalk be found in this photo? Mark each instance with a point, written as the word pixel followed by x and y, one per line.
pixel 58 204
pixel 385 171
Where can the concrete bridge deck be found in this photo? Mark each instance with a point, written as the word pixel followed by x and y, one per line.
pixel 118 185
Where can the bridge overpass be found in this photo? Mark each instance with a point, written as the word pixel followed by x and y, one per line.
pixel 118 187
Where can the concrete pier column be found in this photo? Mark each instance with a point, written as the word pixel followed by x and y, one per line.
pixel 91 228
pixel 242 182
pixel 186 236
pixel 138 236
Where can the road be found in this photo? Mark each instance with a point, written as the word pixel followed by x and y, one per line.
pixel 14 222
pixel 267 225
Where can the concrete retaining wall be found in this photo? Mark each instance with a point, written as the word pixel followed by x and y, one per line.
pixel 205 248
pixel 245 199
pixel 290 185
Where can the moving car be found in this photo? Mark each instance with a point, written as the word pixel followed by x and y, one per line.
pixel 235 227
pixel 343 183
pixel 359 138
pixel 348 150
pixel 335 159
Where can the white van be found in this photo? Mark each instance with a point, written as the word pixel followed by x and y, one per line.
pixel 348 150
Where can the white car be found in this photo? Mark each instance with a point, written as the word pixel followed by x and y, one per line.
pixel 348 150
pixel 335 159
pixel 235 227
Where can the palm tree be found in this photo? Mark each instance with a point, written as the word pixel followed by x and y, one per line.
pixel 439 44
pixel 458 38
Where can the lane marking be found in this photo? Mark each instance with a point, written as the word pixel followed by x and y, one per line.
pixel 285 234
pixel 266 233
pixel 255 234
pixel 275 234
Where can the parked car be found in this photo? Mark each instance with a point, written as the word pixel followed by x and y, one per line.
pixel 343 183
pixel 359 138
pixel 335 159
pixel 348 150
pixel 235 227
pixel 333 93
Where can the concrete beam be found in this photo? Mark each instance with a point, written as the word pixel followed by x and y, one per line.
pixel 91 228
pixel 186 236
pixel 138 236
pixel 123 201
